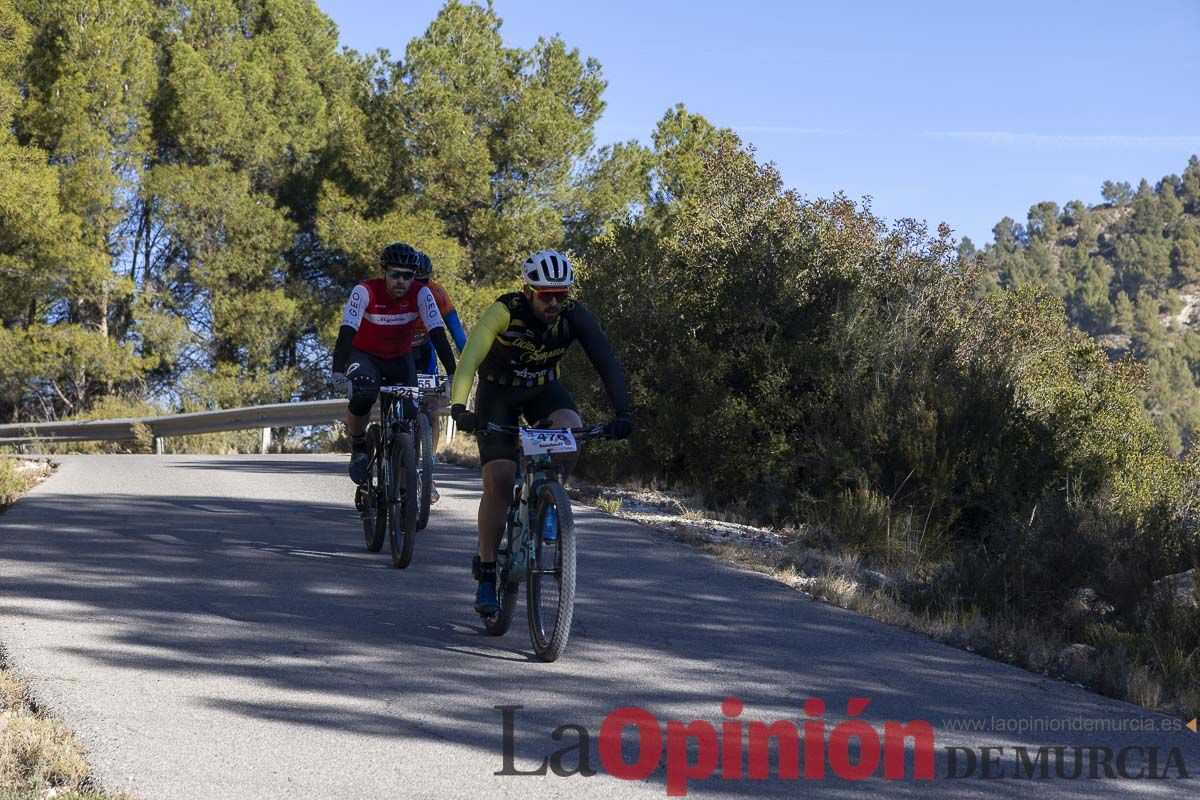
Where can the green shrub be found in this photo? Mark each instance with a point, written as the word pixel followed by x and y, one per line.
pixel 805 361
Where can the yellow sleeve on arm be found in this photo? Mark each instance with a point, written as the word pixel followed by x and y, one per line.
pixel 493 323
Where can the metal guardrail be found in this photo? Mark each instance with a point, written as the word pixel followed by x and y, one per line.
pixel 279 415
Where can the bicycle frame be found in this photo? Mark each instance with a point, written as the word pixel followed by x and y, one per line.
pixel 395 465
pixel 533 470
pixel 389 420
pixel 521 555
pixel 375 498
pixel 544 563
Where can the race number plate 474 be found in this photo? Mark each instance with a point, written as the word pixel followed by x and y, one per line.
pixel 536 442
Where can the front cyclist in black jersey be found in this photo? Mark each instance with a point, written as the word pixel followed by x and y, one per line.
pixel 516 347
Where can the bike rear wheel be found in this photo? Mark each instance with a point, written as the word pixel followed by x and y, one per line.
pixel 499 623
pixel 550 596
pixel 374 514
pixel 507 589
pixel 424 446
pixel 402 499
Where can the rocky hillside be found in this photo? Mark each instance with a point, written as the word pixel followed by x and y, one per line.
pixel 1128 273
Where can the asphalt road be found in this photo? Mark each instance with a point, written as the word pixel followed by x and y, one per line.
pixel 212 627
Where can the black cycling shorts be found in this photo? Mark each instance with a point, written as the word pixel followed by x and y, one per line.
pixel 367 372
pixel 504 405
pixel 424 358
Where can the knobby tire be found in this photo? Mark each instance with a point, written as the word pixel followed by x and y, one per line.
pixel 402 500
pixel 550 633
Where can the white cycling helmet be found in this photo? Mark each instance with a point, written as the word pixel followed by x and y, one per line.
pixel 548 269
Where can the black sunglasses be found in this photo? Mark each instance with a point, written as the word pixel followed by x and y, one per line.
pixel 401 274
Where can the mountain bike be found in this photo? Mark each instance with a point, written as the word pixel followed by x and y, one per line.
pixel 388 501
pixel 433 387
pixel 541 556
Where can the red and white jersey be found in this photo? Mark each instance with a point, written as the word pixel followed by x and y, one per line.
pixel 384 324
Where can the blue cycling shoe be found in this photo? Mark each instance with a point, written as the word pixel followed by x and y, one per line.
pixel 360 463
pixel 485 598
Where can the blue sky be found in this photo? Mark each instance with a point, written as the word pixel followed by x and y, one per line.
pixel 946 111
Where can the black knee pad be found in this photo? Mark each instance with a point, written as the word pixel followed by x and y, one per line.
pixel 363 400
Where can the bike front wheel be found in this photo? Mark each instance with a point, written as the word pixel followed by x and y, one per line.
pixel 424 446
pixel 550 595
pixel 402 500
pixel 374 496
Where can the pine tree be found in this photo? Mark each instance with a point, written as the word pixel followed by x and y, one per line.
pixel 1043 221
pixel 1008 236
pixel 85 81
pixel 1117 194
pixel 494 133
pixel 242 130
pixel 1185 251
pixel 1123 313
pixel 1189 189
pixel 1149 338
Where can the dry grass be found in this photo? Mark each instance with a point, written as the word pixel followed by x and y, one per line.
pixel 1189 701
pixel 12 693
pixel 812 560
pixel 1143 688
pixel 609 505
pixel 17 476
pixel 39 758
pixel 38 754
pixel 462 451
pixel 11 484
pixel 837 590
pixel 1110 668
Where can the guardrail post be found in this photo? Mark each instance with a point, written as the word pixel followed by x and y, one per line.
pixel 266 441
pixel 158 445
pixel 449 435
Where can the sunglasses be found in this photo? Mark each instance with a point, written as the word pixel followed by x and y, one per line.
pixel 401 274
pixel 546 295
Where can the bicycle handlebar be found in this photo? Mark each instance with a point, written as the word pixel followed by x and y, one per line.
pixel 411 392
pixel 580 434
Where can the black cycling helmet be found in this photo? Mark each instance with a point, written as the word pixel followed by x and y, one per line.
pixel 424 267
pixel 398 254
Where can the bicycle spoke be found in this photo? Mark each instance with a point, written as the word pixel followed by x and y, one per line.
pixel 551 591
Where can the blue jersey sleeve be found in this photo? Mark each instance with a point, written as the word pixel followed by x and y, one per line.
pixel 456 330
